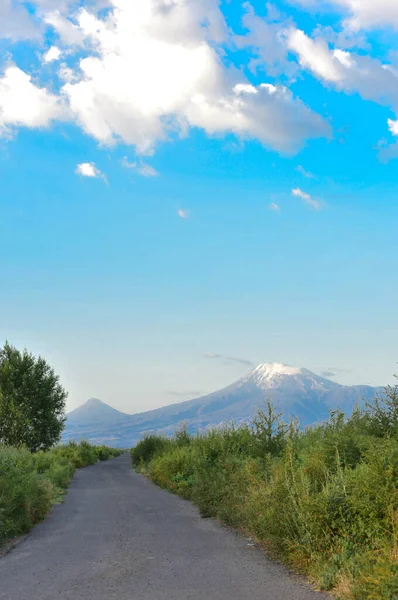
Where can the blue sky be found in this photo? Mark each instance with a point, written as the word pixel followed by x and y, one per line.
pixel 189 188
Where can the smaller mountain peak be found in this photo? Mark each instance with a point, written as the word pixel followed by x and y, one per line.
pixel 95 410
pixel 94 402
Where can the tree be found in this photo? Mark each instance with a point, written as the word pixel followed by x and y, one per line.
pixel 383 413
pixel 32 401
pixel 270 430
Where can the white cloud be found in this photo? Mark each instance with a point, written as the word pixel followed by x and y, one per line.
pixel 66 74
pixel 298 192
pixel 371 13
pixel 66 7
pixel 138 39
pixel 335 66
pixel 145 72
pixel 115 98
pixel 306 198
pixel 350 72
pixel 274 207
pixel 53 54
pixel 315 55
pixel 393 126
pixel 23 104
pixel 69 33
pixel 60 5
pixel 347 71
pixel 266 37
pixel 183 213
pixel 127 164
pixel 142 168
pixel 16 23
pixel 360 14
pixel 153 70
pixel 268 113
pixel 89 169
pixel 146 170
pixel 305 173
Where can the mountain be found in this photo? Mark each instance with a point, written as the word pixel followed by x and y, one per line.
pixel 296 392
pixel 95 412
pixel 91 417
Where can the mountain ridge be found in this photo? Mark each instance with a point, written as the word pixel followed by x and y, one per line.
pixel 296 392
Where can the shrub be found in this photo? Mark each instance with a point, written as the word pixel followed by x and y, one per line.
pixel 105 452
pixel 31 483
pixel 147 449
pixel 54 467
pixel 80 455
pixel 174 470
pixel 324 499
pixel 25 497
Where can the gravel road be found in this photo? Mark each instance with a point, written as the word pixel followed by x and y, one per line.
pixel 119 536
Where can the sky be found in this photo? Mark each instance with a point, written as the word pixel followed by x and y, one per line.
pixel 190 188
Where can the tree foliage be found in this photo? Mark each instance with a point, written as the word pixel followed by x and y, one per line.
pixel 32 401
pixel 269 430
pixel 384 413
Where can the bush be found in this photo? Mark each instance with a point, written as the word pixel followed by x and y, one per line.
pixel 324 499
pixel 104 453
pixel 54 467
pixel 174 470
pixel 31 483
pixel 147 449
pixel 25 496
pixel 84 454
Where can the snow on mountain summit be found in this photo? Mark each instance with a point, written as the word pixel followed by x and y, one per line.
pixel 277 375
pixel 269 370
pixel 269 373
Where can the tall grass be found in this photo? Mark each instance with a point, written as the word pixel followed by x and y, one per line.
pixel 31 483
pixel 324 499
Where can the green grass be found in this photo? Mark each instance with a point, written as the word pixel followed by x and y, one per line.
pixel 31 483
pixel 325 500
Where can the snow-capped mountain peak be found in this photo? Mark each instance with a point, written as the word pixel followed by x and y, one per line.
pixel 295 392
pixel 268 370
pixel 279 376
pixel 265 373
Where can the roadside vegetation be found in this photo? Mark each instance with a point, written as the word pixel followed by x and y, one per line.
pixel 325 499
pixel 31 483
pixel 34 473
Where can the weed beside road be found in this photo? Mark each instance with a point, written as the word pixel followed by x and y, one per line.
pixel 30 483
pixel 324 499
